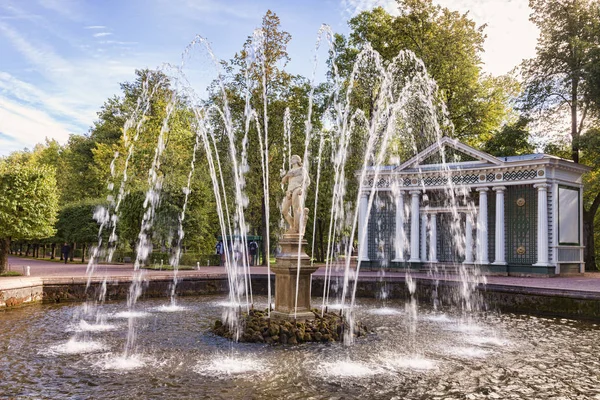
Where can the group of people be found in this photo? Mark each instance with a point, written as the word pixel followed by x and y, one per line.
pixel 252 253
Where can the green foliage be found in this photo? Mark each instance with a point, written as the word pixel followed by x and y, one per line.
pixel 450 44
pixel 76 223
pixel 559 78
pixel 28 201
pixel 512 140
pixel 10 273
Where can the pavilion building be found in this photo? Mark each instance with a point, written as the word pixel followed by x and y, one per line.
pixel 516 215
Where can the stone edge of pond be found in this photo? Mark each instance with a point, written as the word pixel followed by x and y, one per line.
pixel 577 304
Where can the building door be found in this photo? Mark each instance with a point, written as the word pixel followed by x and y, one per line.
pixel 520 216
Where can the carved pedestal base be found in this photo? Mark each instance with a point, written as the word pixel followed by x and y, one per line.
pixel 286 275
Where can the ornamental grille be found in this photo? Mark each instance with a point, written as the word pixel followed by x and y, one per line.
pixel 406 182
pixel 381 229
pixel 490 177
pixel 521 225
pixel 450 238
pixel 520 175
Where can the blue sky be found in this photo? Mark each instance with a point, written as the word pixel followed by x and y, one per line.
pixel 61 59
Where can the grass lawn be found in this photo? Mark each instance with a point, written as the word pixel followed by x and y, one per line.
pixel 11 273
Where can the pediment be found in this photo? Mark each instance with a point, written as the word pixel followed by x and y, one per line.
pixel 464 153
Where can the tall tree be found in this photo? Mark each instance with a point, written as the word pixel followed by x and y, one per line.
pixel 259 69
pixel 560 80
pixel 28 204
pixel 450 44
pixel 557 79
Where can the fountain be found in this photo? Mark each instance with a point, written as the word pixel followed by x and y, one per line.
pixel 450 349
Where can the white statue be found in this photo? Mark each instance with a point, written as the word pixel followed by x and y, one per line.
pixel 291 208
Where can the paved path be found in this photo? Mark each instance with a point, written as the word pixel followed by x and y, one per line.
pixel 49 271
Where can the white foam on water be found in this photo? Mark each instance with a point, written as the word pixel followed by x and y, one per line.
pixel 438 318
pixel 131 314
pixel 347 369
pixel 122 363
pixel 469 352
pixel 85 326
pixel 75 347
pixel 230 366
pixel 395 361
pixel 385 311
pixel 464 328
pixel 488 341
pixel 170 308
pixel 232 304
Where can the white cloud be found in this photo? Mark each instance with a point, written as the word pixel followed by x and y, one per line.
pixel 70 9
pixel 95 27
pixel 23 126
pixel 213 11
pixel 102 34
pixel 41 55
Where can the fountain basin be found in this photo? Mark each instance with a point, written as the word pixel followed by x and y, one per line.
pixel 529 358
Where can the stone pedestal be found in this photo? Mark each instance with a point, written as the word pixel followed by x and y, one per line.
pixel 286 274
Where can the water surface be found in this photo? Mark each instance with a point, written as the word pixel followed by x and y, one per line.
pixel 48 352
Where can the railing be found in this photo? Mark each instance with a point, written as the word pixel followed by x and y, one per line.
pixel 570 254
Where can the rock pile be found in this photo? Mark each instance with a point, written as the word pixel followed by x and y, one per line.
pixel 256 327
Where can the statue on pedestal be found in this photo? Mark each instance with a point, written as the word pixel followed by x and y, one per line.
pixel 291 208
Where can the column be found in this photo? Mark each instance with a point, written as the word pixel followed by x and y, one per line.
pixel 423 237
pixel 499 258
pixel 399 238
pixel 433 238
pixel 414 226
pixel 469 239
pixel 482 228
pixel 363 219
pixel 542 225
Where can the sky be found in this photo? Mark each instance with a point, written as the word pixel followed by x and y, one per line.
pixel 60 60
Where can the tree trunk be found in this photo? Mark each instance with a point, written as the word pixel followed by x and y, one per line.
pixel 574 130
pixel 20 249
pixel 4 246
pixel 83 253
pixel 44 251
pixel 320 242
pixel 53 251
pixel 589 253
pixel 265 221
pixel 27 250
pixel 72 251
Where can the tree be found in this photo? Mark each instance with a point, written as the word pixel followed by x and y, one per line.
pixel 560 80
pixel 512 140
pixel 557 79
pixel 450 45
pixel 75 223
pixel 264 55
pixel 28 204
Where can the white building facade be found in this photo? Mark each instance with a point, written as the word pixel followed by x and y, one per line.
pixel 519 215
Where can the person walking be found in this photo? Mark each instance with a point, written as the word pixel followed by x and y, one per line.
pixel 219 249
pixel 65 251
pixel 253 250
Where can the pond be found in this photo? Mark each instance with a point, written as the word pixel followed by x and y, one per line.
pixel 49 352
